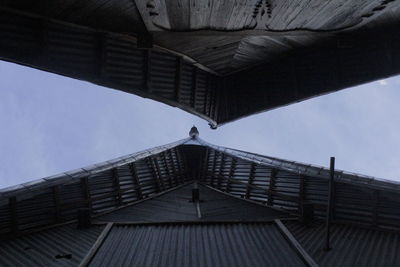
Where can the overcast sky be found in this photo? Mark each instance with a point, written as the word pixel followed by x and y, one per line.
pixel 50 124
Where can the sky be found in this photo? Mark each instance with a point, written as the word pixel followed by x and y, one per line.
pixel 50 124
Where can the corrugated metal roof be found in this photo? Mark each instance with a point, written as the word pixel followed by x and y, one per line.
pixel 307 169
pixel 61 246
pixel 29 188
pixel 176 206
pixel 351 246
pixel 196 245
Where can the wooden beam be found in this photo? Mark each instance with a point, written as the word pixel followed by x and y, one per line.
pixel 221 168
pixel 375 208
pixel 164 159
pixel 330 204
pixel 57 201
pixel 231 172
pixel 156 167
pixel 216 154
pixel 93 250
pixel 117 186
pixel 193 88
pixel 295 244
pixel 272 181
pixel 147 70
pixel 171 157
pixel 250 180
pixel 135 179
pixel 301 192
pixel 203 177
pixel 13 216
pixel 181 161
pixel 86 192
pixel 178 78
pixel 101 55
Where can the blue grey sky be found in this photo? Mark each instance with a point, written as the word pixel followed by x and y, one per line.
pixel 50 124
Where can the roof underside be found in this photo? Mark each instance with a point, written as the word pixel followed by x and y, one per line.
pixel 144 199
pixel 221 60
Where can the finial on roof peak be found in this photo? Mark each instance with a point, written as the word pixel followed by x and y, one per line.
pixel 194 132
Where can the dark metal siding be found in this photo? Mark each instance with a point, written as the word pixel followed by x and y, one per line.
pixel 124 183
pixel 351 246
pixel 176 206
pixel 43 248
pixel 196 245
pixel 358 199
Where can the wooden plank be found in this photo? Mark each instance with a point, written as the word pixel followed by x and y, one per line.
pixel 203 177
pixel 93 250
pixel 178 78
pixel 181 161
pixel 375 207
pixel 295 244
pixel 301 192
pixel 221 168
pixel 86 192
pixel 193 88
pixel 271 189
pixel 330 204
pixel 250 180
pixel 13 215
pixel 216 154
pixel 231 172
pixel 135 179
pixel 166 166
pixel 156 167
pixel 57 201
pixel 147 70
pixel 101 55
pixel 117 186
pixel 175 172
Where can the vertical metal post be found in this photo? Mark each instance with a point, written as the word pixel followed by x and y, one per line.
pixel 330 200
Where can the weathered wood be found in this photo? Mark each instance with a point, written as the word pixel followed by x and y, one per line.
pixel 330 204
pixel 93 250
pixel 375 207
pixel 101 55
pixel 178 79
pixel 86 192
pixel 156 168
pixel 231 172
pixel 166 166
pixel 271 189
pixel 175 171
pixel 250 180
pixel 203 176
pixel 216 154
pixel 147 70
pixel 135 180
pixel 295 244
pixel 193 88
pixel 117 186
pixel 57 206
pixel 13 216
pixel 221 169
pixel 181 162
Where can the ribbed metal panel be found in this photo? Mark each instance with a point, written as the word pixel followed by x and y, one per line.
pixel 351 246
pixel 176 206
pixel 196 245
pixel 61 246
pixel 357 198
pixel 112 184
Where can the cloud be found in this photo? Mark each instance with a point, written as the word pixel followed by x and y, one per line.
pixel 383 82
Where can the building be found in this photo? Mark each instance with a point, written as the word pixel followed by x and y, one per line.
pixel 218 59
pixel 191 203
